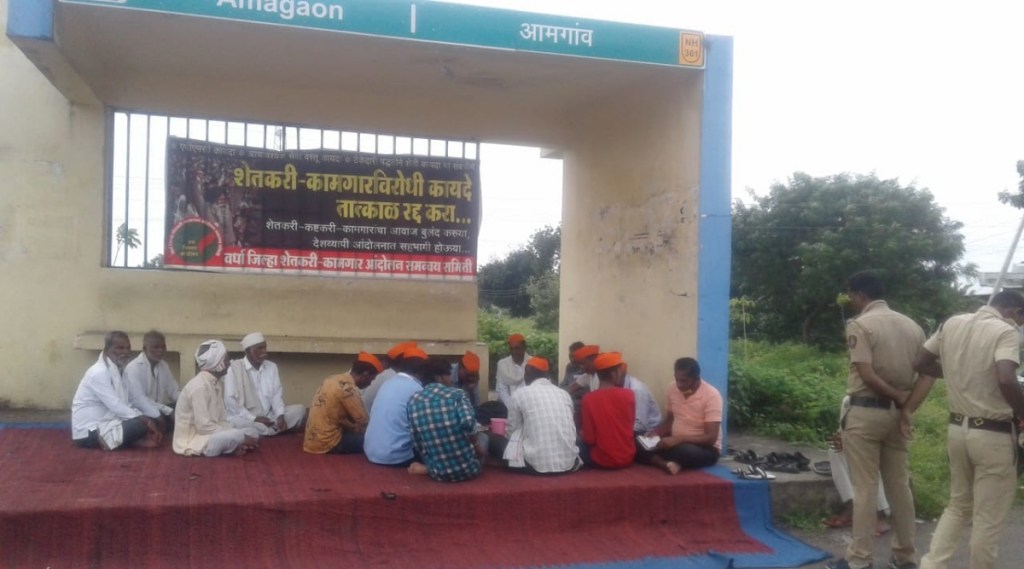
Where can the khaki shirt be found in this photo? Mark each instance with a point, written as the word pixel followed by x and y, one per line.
pixel 969 345
pixel 888 341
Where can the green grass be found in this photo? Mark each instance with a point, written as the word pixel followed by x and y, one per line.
pixel 805 520
pixel 787 391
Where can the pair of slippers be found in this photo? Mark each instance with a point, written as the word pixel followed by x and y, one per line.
pixel 792 463
pixel 753 472
pixel 776 461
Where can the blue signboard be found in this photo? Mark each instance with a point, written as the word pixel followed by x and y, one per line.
pixel 450 23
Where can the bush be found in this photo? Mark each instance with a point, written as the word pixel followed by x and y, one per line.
pixel 790 391
pixel 493 329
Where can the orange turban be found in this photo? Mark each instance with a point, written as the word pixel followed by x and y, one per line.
pixel 370 359
pixel 538 363
pixel 414 353
pixel 397 349
pixel 608 361
pixel 471 362
pixel 516 338
pixel 585 352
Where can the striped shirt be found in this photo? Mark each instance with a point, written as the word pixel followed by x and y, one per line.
pixel 441 420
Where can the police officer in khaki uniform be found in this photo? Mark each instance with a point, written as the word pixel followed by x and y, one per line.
pixel 882 345
pixel 979 357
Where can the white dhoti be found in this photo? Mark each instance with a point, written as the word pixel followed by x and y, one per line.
pixel 293 415
pixel 227 441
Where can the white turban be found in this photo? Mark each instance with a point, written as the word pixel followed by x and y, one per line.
pixel 212 359
pixel 252 339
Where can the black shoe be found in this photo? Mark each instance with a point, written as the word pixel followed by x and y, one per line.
pixel 841 564
pixel 893 564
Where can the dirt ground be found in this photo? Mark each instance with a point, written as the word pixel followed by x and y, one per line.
pixel 1011 546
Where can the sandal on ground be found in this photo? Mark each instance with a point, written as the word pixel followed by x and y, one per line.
pixel 787 467
pixel 754 473
pixel 748 457
pixel 801 461
pixel 823 468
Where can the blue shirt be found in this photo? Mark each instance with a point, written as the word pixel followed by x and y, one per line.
pixel 387 440
pixel 442 420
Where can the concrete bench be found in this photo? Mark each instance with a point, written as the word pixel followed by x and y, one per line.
pixel 185 345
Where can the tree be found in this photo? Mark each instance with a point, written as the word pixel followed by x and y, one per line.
pixel 543 291
pixel 505 283
pixel 794 248
pixel 1017 199
pixel 127 238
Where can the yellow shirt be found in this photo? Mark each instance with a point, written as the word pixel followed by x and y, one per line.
pixel 337 403
pixel 888 341
pixel 969 345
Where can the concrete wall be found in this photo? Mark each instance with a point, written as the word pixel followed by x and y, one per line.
pixel 54 288
pixel 629 227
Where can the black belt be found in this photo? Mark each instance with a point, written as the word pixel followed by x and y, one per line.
pixel 873 402
pixel 980 423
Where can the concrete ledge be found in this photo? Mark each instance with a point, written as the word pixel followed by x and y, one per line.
pixel 93 340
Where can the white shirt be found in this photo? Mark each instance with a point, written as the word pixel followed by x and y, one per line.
pixel 154 388
pixel 101 396
pixel 509 377
pixel 199 414
pixel 267 386
pixel 370 393
pixel 648 414
pixel 541 429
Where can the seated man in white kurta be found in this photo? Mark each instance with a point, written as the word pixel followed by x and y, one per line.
pixel 201 425
pixel 102 415
pixel 510 371
pixel 155 387
pixel 253 394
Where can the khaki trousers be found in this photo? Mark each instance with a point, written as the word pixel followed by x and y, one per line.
pixel 982 481
pixel 874 447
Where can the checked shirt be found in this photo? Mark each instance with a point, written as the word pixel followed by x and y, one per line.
pixel 442 420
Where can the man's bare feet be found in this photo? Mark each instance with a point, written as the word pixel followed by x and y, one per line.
pixel 417 468
pixel 672 467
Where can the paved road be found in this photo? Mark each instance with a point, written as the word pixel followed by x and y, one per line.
pixel 1011 546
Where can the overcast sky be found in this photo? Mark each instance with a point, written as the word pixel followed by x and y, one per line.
pixel 929 93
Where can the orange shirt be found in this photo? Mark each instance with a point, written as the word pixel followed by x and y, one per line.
pixel 690 414
pixel 336 401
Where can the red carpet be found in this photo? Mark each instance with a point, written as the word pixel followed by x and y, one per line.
pixel 62 506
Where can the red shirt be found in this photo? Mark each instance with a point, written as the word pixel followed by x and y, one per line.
pixel 608 416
